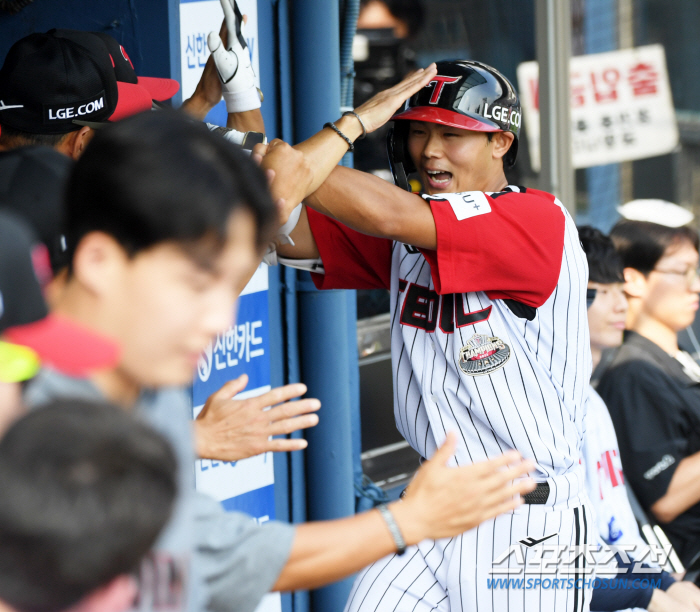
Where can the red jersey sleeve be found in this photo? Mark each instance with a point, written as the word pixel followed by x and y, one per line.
pixel 509 244
pixel 351 260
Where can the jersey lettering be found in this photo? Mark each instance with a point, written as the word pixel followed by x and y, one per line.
pixel 421 306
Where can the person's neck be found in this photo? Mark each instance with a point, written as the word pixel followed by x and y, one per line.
pixel 660 334
pixel 496 182
pixel 76 303
pixel 118 387
pixel 596 356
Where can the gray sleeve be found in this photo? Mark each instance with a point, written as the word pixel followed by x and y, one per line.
pixel 237 559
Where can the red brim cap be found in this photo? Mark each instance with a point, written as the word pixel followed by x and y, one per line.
pixel 66 346
pixel 446 117
pixel 133 99
pixel 159 89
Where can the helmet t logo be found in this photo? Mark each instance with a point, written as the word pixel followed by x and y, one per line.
pixel 440 82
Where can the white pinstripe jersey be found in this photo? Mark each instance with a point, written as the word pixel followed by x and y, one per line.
pixel 506 361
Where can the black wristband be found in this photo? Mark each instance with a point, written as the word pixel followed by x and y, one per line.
pixel 330 124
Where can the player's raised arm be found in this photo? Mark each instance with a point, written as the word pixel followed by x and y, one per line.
pixel 228 72
pixel 322 153
pixel 440 502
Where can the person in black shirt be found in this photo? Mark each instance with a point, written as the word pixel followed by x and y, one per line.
pixel 652 388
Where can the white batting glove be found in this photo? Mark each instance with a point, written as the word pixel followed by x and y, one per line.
pixel 233 63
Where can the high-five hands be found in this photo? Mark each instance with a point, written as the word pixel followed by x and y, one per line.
pixel 233 62
pixel 444 501
pixel 229 430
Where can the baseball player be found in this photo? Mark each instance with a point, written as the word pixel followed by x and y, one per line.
pixel 488 325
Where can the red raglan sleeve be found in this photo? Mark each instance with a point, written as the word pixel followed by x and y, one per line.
pixel 351 260
pixel 509 244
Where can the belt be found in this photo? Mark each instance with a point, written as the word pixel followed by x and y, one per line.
pixel 539 495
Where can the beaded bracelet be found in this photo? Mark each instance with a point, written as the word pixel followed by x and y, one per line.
pixel 330 124
pixel 393 529
pixel 362 123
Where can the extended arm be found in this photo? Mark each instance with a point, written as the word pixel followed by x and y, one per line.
pixel 373 206
pixel 324 150
pixel 369 205
pixel 440 502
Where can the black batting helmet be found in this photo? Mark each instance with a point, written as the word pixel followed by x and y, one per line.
pixel 464 94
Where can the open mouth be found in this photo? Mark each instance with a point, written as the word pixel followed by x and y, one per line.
pixel 438 178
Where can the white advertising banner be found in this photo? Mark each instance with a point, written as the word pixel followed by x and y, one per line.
pixel 621 107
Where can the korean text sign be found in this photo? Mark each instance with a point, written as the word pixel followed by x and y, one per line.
pixel 621 107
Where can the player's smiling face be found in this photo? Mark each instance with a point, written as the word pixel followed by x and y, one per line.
pixel 452 160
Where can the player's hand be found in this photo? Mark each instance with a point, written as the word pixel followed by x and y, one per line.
pixel 381 107
pixel 229 430
pixel 443 501
pixel 292 174
pixel 662 602
pixel 208 92
pixel 686 593
pixel 232 60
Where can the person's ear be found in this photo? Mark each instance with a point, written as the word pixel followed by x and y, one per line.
pixel 501 142
pixel 82 139
pixel 75 142
pixel 635 283
pixel 98 261
pixel 116 596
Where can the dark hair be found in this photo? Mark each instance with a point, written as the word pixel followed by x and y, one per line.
pixel 158 177
pixel 641 244
pixel 12 138
pixel 86 489
pixel 604 263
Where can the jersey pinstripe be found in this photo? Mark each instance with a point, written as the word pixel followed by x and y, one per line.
pixel 534 403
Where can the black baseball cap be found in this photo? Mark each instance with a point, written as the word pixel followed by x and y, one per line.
pixel 160 89
pixel 52 82
pixel 25 321
pixel 32 185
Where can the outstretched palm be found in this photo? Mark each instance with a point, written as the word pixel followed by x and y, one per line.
pixel 380 108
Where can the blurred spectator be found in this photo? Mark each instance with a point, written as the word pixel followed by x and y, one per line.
pixel 605 481
pixel 405 17
pixel 651 387
pixel 54 90
pixel 28 334
pixel 32 187
pixel 86 489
